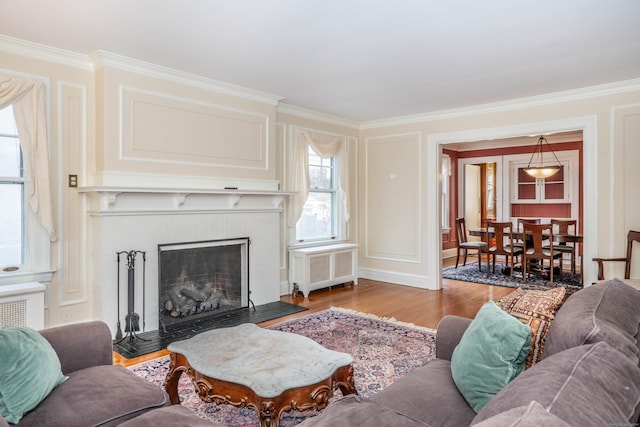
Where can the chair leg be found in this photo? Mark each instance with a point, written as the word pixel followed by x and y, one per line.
pixel 457 258
pixel 479 260
pixel 486 275
pixel 465 258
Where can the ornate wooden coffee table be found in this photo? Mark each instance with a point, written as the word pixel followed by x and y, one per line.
pixel 268 371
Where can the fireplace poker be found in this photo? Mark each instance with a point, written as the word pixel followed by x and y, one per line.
pixel 132 319
pixel 119 329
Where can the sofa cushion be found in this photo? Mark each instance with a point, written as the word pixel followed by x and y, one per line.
pixel 354 410
pixel 491 353
pixel 535 309
pixel 29 370
pixel 604 312
pixel 97 396
pixel 533 415
pixel 427 394
pixel 592 385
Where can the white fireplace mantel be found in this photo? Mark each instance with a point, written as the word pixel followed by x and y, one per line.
pixel 141 200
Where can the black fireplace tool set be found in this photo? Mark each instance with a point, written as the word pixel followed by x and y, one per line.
pixel 132 319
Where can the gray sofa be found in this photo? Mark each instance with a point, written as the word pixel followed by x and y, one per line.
pixel 588 375
pixel 97 393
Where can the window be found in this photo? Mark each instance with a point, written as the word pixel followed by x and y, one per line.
pixel 12 218
pixel 318 220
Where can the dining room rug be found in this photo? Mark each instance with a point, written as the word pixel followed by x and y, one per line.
pixel 383 350
pixel 470 273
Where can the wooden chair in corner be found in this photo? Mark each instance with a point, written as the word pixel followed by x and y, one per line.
pixel 503 246
pixel 534 249
pixel 464 245
pixel 632 236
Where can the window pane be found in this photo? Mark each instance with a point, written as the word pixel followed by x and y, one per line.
pixel 11 224
pixel 10 160
pixel 320 177
pixel 316 220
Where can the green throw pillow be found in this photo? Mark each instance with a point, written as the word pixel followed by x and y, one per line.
pixel 29 370
pixel 491 353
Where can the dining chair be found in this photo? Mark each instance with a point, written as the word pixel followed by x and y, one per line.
pixel 566 227
pixel 632 236
pixel 534 249
pixel 519 241
pixel 464 245
pixel 503 246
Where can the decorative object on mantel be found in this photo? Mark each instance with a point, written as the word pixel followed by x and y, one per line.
pixel 539 169
pixel 470 273
pixel 132 319
pixel 383 350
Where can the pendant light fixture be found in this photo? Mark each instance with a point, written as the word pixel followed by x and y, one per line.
pixel 537 168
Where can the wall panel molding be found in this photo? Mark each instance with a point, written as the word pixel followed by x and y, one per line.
pixel 392 178
pixel 72 280
pixel 156 127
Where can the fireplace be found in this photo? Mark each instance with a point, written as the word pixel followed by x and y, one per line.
pixel 198 281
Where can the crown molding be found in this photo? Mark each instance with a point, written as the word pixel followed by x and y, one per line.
pixel 315 115
pixel 43 52
pixel 514 104
pixel 102 59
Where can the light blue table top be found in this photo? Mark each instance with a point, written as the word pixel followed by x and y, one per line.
pixel 269 362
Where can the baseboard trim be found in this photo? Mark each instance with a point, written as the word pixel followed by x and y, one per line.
pixel 414 280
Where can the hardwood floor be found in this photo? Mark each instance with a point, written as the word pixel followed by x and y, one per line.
pixel 405 303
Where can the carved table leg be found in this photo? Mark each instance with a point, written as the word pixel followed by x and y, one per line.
pixel 173 377
pixel 343 378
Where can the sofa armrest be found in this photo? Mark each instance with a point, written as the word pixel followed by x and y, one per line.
pixel 448 334
pixel 81 345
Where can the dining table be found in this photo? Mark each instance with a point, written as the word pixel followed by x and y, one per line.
pixel 576 239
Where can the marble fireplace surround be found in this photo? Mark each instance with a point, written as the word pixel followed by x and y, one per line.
pixel 124 219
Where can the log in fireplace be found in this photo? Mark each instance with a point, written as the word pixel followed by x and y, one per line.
pixel 202 280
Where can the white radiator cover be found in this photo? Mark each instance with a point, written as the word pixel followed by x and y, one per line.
pixel 22 304
pixel 322 266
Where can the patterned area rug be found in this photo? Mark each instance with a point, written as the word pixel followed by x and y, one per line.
pixel 383 350
pixel 470 273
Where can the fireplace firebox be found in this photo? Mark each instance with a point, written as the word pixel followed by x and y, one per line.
pixel 199 281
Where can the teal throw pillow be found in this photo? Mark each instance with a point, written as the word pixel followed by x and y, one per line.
pixel 491 353
pixel 29 370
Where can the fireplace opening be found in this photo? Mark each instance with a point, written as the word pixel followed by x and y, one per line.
pixel 199 281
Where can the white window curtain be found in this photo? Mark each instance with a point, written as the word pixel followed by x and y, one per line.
pixel 27 98
pixel 325 146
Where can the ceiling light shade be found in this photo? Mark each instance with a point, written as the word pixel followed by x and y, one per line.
pixel 537 168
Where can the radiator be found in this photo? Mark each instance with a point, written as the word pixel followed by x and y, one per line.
pixel 22 304
pixel 323 266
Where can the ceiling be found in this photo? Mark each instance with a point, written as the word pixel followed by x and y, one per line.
pixel 361 60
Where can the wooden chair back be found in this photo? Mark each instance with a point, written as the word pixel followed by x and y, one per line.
pixel 503 232
pixel 461 230
pixel 564 226
pixel 632 236
pixel 534 244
